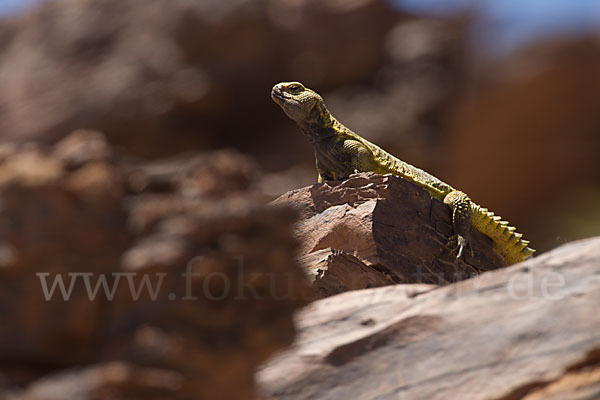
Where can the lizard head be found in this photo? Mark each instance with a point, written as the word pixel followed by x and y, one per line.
pixel 300 103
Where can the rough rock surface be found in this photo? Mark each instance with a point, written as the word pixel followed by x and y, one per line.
pixel 149 332
pixel 528 331
pixel 334 271
pixel 378 230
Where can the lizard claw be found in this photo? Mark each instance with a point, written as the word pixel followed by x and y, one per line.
pixel 457 245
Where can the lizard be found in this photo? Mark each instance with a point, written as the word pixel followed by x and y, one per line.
pixel 340 152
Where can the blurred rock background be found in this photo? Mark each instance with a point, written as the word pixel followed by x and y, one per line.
pixel 514 124
pixel 517 129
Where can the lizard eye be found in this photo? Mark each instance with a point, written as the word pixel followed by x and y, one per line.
pixel 294 87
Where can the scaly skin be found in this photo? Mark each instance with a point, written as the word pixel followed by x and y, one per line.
pixel 340 152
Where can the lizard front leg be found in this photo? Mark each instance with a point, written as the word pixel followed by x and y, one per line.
pixel 460 204
pixel 361 159
pixel 322 174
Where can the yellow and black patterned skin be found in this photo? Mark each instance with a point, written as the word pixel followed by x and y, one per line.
pixel 340 152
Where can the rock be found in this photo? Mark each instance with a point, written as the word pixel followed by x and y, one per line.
pixel 528 331
pixel 334 271
pixel 82 146
pixel 113 381
pixel 177 278
pixel 379 230
pixel 30 167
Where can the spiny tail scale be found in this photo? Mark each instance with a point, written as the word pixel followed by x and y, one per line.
pixel 508 243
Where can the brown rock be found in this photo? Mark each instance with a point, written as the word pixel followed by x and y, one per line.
pixel 334 271
pixel 114 381
pixel 97 182
pixel 30 166
pixel 385 229
pixel 82 146
pixel 528 331
pixel 178 279
pixel 582 383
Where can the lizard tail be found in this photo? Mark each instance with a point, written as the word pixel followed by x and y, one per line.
pixel 507 242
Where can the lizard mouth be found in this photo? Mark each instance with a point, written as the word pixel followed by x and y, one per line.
pixel 278 96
